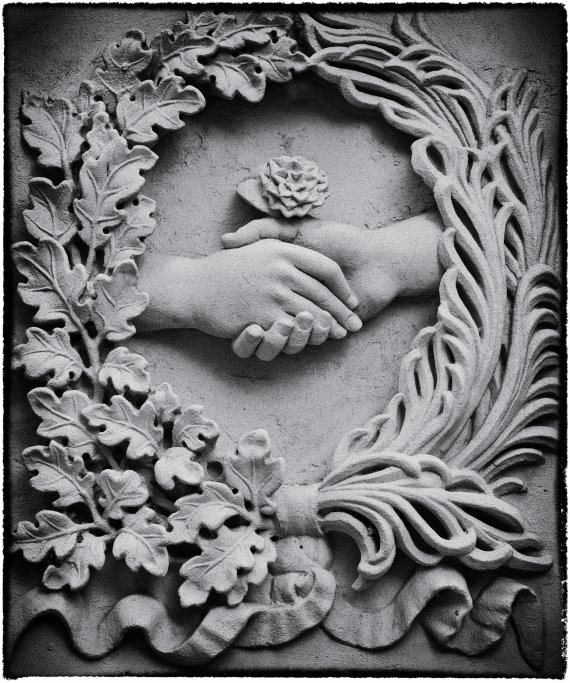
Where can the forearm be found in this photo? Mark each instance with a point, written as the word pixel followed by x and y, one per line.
pixel 399 260
pixel 404 252
pixel 173 284
pixel 409 248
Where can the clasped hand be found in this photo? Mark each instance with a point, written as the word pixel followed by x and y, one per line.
pixel 349 252
pixel 292 296
pixel 280 285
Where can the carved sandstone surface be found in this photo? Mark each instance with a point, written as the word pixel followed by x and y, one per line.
pixel 135 476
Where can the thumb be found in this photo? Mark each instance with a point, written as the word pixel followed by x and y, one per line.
pixel 262 228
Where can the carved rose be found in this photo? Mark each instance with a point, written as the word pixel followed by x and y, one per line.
pixel 291 186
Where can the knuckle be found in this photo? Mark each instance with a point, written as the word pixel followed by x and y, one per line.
pixel 286 273
pixel 279 295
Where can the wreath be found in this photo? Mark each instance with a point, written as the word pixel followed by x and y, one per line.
pixel 136 475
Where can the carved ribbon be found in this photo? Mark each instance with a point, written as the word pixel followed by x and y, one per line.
pixel 439 598
pixel 95 635
pixel 496 244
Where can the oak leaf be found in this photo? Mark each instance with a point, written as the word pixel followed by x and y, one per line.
pixel 142 543
pixel 228 563
pixel 231 75
pixel 253 472
pixel 233 32
pixel 125 369
pixel 51 285
pixel 246 74
pixel 257 574
pixel 88 100
pixel 53 130
pixel 49 354
pixel 159 106
pixel 193 430
pixel 127 239
pixel 121 421
pixel 130 54
pixel 177 463
pixel 253 28
pixel 113 84
pixel 110 174
pixel 54 531
pixel 50 215
pixel 120 490
pixel 206 24
pixel 102 133
pixel 61 418
pixel 209 509
pixel 280 60
pixel 59 472
pixel 181 52
pixel 117 301
pixel 166 403
pixel 124 63
pixel 75 570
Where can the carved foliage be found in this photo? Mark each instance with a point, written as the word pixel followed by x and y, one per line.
pixel 101 430
pixel 233 54
pixel 49 354
pixel 125 63
pixel 51 214
pixel 53 130
pixel 160 106
pixel 477 389
pixel 453 512
pixel 110 174
pixel 229 522
pixel 455 367
pixel 51 285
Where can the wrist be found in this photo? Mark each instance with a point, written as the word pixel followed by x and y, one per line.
pixel 409 254
pixel 175 287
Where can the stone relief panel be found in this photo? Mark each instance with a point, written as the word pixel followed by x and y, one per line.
pixel 144 510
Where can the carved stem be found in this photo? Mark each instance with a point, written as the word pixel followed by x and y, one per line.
pixel 75 254
pixel 91 256
pixel 297 510
pixel 91 346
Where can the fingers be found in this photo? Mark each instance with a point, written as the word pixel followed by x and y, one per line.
pixel 263 228
pixel 246 344
pixel 321 329
pixel 275 339
pixel 336 331
pixel 301 332
pixel 327 271
pixel 287 335
pixel 296 304
pixel 316 292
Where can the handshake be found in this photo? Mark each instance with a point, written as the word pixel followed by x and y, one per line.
pixel 279 285
pixel 316 299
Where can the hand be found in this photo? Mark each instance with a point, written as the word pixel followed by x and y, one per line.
pixel 261 283
pixel 398 260
pixel 286 335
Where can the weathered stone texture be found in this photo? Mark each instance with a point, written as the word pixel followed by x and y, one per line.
pixel 306 402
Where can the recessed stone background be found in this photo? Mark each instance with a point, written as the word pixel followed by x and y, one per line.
pixel 307 402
